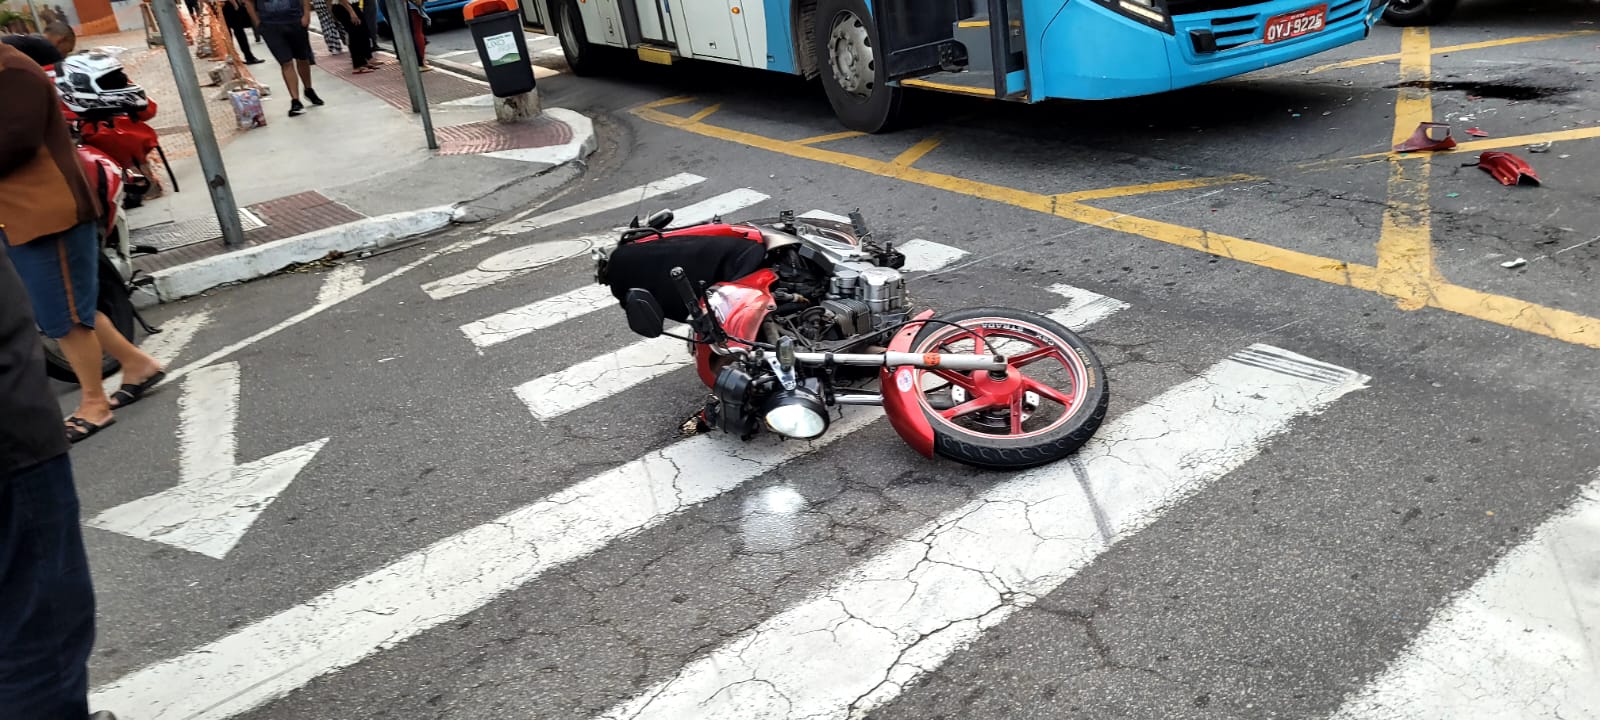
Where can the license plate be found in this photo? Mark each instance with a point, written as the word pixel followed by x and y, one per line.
pixel 1295 24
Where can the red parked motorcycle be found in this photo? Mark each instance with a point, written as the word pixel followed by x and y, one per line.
pixel 790 318
pixel 108 111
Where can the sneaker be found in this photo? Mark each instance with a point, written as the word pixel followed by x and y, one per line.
pixel 295 108
pixel 312 96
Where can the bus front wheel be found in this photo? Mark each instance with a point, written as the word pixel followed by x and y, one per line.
pixel 857 84
pixel 585 58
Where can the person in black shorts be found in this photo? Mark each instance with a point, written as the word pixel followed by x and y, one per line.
pixel 283 23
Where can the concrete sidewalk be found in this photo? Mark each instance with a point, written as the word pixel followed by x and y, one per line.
pixel 351 175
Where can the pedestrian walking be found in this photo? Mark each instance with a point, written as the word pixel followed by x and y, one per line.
pixel 284 24
pixel 46 594
pixel 355 31
pixel 49 228
pixel 237 19
pixel 332 32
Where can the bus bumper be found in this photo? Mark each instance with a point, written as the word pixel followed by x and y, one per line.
pixel 1089 52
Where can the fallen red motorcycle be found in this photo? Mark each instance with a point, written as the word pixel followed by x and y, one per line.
pixel 791 318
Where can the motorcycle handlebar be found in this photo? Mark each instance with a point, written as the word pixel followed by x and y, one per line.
pixel 685 290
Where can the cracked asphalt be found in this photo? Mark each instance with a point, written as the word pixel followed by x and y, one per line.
pixel 1274 591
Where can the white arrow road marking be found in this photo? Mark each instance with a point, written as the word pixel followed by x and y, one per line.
pixel 486 273
pixel 341 283
pixel 551 396
pixel 632 196
pixel 452 577
pixel 215 501
pixel 1522 642
pixel 857 645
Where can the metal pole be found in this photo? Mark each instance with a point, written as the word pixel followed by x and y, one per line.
pixel 400 28
pixel 194 109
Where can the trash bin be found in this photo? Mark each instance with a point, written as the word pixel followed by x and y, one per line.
pixel 497 31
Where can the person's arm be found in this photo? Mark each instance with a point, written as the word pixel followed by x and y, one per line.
pixel 355 17
pixel 23 117
pixel 250 6
pixel 305 13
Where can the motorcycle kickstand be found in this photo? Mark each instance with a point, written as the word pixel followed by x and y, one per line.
pixel 163 155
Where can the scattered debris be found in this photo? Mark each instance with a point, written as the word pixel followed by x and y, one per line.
pixel 1563 156
pixel 1426 139
pixel 1475 132
pixel 1543 147
pixel 1507 168
pixel 1514 264
pixel 1452 195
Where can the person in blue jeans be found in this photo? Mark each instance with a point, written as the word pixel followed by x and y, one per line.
pixel 46 596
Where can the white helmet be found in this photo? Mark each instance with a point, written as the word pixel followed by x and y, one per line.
pixel 94 81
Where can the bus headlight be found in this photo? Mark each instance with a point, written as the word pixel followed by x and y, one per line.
pixel 1149 12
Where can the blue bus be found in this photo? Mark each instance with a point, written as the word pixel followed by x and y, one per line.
pixel 866 52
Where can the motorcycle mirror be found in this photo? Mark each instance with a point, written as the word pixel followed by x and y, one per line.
pixel 644 313
pixel 660 220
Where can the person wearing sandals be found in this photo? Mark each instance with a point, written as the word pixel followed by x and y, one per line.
pixel 49 231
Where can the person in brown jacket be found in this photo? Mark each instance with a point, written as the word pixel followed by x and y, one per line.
pixel 48 229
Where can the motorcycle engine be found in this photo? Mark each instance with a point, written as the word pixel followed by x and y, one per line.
pixel 823 300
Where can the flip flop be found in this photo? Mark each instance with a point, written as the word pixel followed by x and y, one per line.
pixel 82 429
pixel 130 393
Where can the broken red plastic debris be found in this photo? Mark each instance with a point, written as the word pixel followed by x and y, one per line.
pixel 1507 168
pixel 1475 132
pixel 1426 139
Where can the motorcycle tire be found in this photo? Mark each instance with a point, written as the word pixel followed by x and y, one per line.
pixel 1012 452
pixel 117 305
pixel 1408 13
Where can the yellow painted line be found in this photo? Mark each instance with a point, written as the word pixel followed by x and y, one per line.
pixel 973 23
pixel 830 137
pixel 1405 248
pixel 703 114
pixel 1533 139
pixel 1157 187
pixel 918 151
pixel 1375 59
pixel 666 102
pixel 946 87
pixel 1470 146
pixel 1509 312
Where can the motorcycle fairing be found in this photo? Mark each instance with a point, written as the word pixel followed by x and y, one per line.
pixel 740 306
pixel 1508 168
pixel 902 391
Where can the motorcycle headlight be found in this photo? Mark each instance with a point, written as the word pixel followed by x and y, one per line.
pixel 797 413
pixel 1150 12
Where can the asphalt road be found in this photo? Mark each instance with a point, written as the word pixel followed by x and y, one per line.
pixel 409 570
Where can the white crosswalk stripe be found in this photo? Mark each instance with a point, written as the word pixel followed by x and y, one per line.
pixel 521 223
pixel 598 378
pixel 857 645
pixel 491 271
pixel 1518 644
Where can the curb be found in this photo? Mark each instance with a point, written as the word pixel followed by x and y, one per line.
pixel 190 279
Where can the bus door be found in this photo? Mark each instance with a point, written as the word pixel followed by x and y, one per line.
pixel 983 37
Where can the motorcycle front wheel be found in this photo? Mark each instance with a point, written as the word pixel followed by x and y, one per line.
pixel 117 305
pixel 1050 401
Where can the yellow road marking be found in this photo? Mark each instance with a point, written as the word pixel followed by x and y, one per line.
pixel 1156 187
pixel 1509 312
pixel 947 87
pixel 918 151
pixel 666 102
pixel 1375 59
pixel 1405 248
pixel 830 137
pixel 703 114
pixel 1470 146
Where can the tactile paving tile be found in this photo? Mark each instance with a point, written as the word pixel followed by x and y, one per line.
pixel 491 136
